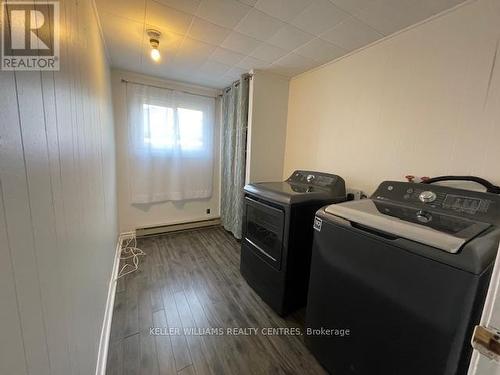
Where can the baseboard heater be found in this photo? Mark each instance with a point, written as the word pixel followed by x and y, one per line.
pixel 160 229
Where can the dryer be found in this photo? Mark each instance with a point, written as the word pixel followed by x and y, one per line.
pixel 277 234
pixel 405 274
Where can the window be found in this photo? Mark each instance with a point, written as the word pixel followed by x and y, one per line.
pixel 190 128
pixel 170 144
pixel 160 128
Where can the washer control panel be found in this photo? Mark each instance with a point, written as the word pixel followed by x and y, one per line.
pixel 429 197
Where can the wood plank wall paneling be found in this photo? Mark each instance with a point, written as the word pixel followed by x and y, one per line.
pixel 58 225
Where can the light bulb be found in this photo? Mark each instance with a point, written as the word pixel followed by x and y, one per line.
pixel 155 55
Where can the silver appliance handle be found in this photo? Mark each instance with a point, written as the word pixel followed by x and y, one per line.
pixel 259 248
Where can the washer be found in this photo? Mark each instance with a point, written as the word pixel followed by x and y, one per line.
pixel 401 279
pixel 277 235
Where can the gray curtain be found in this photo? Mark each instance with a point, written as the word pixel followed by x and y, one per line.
pixel 234 139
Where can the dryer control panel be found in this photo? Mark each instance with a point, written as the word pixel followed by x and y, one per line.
pixel 319 179
pixel 467 203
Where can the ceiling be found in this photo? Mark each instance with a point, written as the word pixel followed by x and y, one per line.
pixel 212 42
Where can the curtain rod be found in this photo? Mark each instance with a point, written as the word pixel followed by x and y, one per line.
pixel 248 76
pixel 166 88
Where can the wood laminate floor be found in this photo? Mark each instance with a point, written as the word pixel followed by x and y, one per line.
pixel 192 279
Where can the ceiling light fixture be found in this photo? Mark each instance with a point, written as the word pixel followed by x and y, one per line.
pixel 154 40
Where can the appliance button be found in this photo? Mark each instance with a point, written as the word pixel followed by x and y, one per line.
pixel 424 217
pixel 427 196
pixel 409 191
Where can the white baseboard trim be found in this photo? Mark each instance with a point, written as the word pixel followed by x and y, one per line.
pixel 102 355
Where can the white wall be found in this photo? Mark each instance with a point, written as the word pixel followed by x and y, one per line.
pixel 58 227
pixel 424 102
pixel 133 216
pixel 267 115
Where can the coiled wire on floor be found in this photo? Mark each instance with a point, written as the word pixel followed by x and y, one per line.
pixel 129 253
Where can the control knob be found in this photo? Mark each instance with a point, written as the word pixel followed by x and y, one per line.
pixel 427 196
pixel 424 217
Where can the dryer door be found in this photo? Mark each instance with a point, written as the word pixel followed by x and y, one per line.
pixel 264 231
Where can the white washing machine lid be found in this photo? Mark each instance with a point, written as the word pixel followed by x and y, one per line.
pixel 445 232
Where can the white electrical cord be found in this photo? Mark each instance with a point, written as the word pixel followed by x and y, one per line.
pixel 129 251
